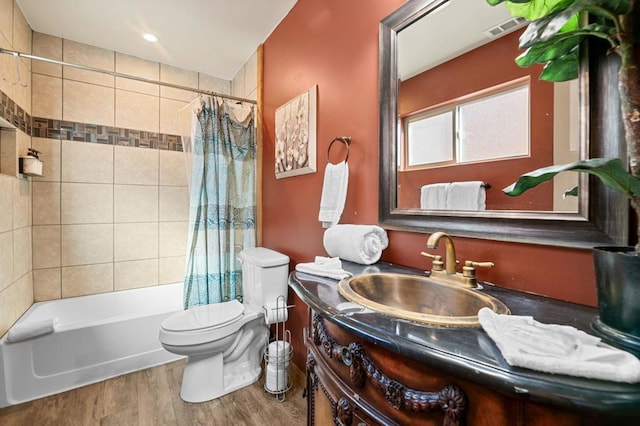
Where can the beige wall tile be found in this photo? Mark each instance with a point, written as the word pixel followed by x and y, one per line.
pixel 87 279
pixel 137 111
pixel 6 19
pixel 136 241
pixel 22 294
pixel 91 56
pixel 181 77
pixel 86 244
pixel 50 153
pixel 7 67
pixel 6 259
pixel 174 203
pixel 173 169
pixel 86 203
pixel 21 32
pixel 172 269
pixel 237 84
pixel 47 284
pixel 135 203
pixel 22 91
pixel 88 103
pixel 87 162
pixel 9 152
pixel 21 252
pixel 214 84
pixel 24 142
pixel 47 101
pixel 46 203
pixel 7 316
pixel 47 46
pixel 135 274
pixel 6 203
pixel 173 238
pixel 46 246
pixel 136 165
pixel 21 203
pixel 138 67
pixel 172 115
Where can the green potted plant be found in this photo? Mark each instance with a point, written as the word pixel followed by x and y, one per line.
pixel 553 37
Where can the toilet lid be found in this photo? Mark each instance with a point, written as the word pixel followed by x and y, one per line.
pixel 205 316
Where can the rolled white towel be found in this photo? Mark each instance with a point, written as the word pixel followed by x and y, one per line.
pixel 557 349
pixel 356 243
pixel 29 329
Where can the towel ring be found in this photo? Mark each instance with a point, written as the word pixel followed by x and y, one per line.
pixel 344 139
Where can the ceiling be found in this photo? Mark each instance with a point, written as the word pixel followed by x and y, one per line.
pixel 215 37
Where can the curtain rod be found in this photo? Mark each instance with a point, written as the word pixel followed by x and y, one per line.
pixel 117 74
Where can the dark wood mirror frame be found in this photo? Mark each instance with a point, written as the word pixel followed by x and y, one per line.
pixel 604 219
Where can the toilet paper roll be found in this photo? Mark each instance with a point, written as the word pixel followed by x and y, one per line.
pixel 276 380
pixel 275 313
pixel 279 353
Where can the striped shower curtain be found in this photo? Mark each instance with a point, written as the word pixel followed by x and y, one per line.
pixel 222 211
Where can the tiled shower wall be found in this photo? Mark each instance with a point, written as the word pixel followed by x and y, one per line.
pixel 110 212
pixel 16 289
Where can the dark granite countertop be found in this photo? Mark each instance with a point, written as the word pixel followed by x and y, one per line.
pixel 469 353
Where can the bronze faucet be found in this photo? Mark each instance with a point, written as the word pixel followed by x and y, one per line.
pixel 449 275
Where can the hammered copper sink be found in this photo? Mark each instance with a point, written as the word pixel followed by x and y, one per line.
pixel 418 298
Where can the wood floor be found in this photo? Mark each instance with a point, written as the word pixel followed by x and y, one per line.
pixel 151 397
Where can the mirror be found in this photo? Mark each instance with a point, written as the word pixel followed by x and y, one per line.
pixel 435 71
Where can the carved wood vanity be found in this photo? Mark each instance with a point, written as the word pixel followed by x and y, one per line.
pixel 364 368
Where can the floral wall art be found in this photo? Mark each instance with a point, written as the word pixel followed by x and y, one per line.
pixel 295 125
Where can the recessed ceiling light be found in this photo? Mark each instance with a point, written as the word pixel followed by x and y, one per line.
pixel 150 37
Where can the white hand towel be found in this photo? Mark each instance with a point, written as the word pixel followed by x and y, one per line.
pixel 324 267
pixel 29 329
pixel 357 243
pixel 557 349
pixel 434 196
pixel 466 196
pixel 334 193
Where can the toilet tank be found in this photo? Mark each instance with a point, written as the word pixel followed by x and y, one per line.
pixel 264 276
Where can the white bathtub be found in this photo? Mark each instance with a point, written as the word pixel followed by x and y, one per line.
pixel 98 337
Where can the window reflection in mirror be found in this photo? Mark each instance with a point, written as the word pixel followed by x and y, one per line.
pixel 450 128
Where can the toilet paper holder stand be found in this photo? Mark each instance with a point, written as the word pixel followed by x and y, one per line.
pixel 277 380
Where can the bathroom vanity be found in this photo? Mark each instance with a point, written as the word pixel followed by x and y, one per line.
pixel 365 367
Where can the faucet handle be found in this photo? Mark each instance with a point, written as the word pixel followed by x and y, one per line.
pixel 437 264
pixel 469 271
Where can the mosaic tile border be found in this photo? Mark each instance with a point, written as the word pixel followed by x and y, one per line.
pixel 14 114
pixel 94 133
pixel 84 132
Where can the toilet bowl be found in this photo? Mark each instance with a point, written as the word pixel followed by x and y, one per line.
pixel 224 342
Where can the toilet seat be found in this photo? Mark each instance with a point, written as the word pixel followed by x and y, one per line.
pixel 204 316
pixel 205 323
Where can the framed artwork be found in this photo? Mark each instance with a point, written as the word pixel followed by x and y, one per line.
pixel 296 135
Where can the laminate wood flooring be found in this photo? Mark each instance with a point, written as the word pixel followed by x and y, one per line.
pixel 151 397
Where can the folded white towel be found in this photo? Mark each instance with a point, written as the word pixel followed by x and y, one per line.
pixel 29 329
pixel 334 193
pixel 557 349
pixel 469 195
pixel 324 267
pixel 357 243
pixel 434 196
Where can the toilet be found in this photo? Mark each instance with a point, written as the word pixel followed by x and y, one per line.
pixel 224 342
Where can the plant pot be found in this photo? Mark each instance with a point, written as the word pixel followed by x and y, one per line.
pixel 618 286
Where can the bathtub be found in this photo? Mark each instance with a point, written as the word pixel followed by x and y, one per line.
pixel 98 337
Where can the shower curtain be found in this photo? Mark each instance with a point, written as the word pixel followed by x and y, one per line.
pixel 222 210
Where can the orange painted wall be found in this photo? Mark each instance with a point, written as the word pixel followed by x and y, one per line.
pixel 334 44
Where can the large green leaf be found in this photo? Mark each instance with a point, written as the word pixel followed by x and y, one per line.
pixel 565 68
pixel 554 48
pixel 532 10
pixel 611 172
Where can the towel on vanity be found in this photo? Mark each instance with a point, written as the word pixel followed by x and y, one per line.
pixel 29 329
pixel 469 195
pixel 330 267
pixel 434 196
pixel 334 193
pixel 356 243
pixel 557 349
